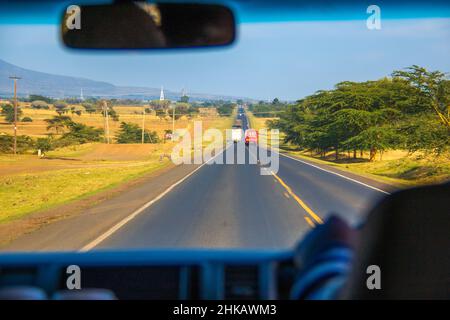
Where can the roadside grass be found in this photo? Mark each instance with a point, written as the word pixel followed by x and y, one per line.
pixel 402 172
pixel 26 193
pixel 409 171
pixel 257 122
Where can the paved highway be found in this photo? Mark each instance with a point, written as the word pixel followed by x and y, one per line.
pixel 234 206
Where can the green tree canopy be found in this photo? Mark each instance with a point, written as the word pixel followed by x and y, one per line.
pixel 81 133
pixel 58 123
pixel 8 113
pixel 408 111
pixel 132 133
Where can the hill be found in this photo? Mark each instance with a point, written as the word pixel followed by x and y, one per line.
pixel 57 86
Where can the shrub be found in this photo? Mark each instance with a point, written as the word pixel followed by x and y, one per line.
pixel 44 144
pixel 89 107
pixel 27 119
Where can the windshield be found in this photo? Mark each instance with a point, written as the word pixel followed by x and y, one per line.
pixel 135 149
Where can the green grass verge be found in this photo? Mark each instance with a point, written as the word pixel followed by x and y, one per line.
pixel 26 193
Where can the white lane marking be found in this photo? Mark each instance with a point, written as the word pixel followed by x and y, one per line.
pixel 335 173
pixel 127 219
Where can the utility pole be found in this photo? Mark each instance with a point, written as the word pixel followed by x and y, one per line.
pixel 143 123
pixel 15 112
pixel 173 120
pixel 107 124
pixel 106 115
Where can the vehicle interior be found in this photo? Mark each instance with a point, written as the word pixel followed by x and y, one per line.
pixel 403 232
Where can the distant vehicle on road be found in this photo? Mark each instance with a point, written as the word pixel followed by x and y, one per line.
pixel 251 136
pixel 236 133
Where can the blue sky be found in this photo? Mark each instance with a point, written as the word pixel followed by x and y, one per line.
pixel 287 60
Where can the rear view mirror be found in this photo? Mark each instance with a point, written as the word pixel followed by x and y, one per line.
pixel 140 25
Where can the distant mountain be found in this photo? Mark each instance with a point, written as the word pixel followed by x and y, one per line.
pixel 56 86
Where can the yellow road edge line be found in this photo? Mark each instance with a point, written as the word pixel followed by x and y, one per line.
pixel 299 201
pixel 310 222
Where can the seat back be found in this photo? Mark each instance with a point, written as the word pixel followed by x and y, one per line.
pixel 408 237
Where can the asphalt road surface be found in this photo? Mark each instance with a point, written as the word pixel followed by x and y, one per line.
pixel 233 205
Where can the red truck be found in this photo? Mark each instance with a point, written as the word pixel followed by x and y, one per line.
pixel 251 136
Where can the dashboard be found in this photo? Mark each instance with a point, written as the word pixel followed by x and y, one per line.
pixel 158 274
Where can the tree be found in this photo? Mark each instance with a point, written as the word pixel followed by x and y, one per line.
pixel 8 113
pixel 266 110
pixel 81 133
pixel 39 104
pixel 184 99
pixel 226 109
pixel 158 104
pixel 432 87
pixel 132 133
pixel 24 143
pixel 34 97
pixel 58 123
pixel 89 107
pixel 375 139
pixel 113 114
pixel 377 115
pixel 161 107
pixel 160 113
pixel 425 133
pixel 44 144
pixel 183 108
pixel 61 107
